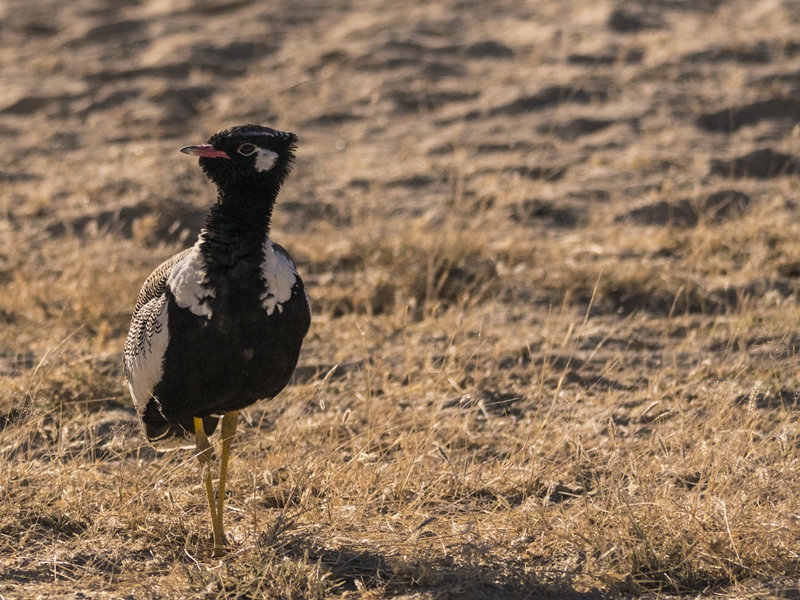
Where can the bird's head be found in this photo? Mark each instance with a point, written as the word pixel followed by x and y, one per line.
pixel 246 157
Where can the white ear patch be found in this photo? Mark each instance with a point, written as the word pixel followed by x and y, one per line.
pixel 265 159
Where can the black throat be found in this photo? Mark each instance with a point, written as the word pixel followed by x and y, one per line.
pixel 237 225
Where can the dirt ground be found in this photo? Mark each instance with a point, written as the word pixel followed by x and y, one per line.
pixel 553 251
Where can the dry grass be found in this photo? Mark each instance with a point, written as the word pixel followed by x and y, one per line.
pixel 478 449
pixel 543 362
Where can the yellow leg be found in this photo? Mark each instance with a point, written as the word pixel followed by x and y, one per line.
pixel 229 423
pixel 204 457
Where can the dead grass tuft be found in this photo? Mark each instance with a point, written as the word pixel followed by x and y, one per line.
pixel 447 469
pixel 377 274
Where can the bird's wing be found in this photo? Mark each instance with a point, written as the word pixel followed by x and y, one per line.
pixel 148 336
pixel 279 275
pixel 297 281
pixel 155 285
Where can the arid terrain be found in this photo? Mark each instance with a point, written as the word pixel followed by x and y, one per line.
pixel 553 249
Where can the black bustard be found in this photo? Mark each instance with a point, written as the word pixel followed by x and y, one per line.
pixel 220 325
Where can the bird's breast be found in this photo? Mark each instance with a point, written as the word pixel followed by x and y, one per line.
pixel 203 282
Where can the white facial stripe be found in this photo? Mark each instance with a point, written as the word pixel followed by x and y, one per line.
pixel 265 159
pixel 144 366
pixel 279 276
pixel 188 283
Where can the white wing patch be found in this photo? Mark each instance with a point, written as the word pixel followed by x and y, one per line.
pixel 144 356
pixel 265 159
pixel 188 282
pixel 279 276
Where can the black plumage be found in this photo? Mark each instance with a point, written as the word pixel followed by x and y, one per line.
pixel 220 325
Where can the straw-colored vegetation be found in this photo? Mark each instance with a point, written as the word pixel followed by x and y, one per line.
pixel 547 359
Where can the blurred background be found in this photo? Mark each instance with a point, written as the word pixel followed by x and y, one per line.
pixel 514 130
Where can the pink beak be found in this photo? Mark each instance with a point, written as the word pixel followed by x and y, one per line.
pixel 204 150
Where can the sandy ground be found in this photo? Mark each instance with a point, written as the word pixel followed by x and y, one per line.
pixel 512 217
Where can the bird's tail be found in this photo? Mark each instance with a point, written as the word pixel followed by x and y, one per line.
pixel 164 434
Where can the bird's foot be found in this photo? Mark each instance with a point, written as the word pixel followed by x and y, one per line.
pixel 220 549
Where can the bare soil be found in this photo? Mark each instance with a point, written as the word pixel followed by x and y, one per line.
pixel 553 250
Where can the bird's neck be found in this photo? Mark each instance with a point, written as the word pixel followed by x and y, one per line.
pixel 238 224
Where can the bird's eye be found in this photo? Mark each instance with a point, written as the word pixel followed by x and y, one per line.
pixel 247 149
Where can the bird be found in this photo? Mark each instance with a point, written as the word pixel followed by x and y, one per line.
pixel 220 325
